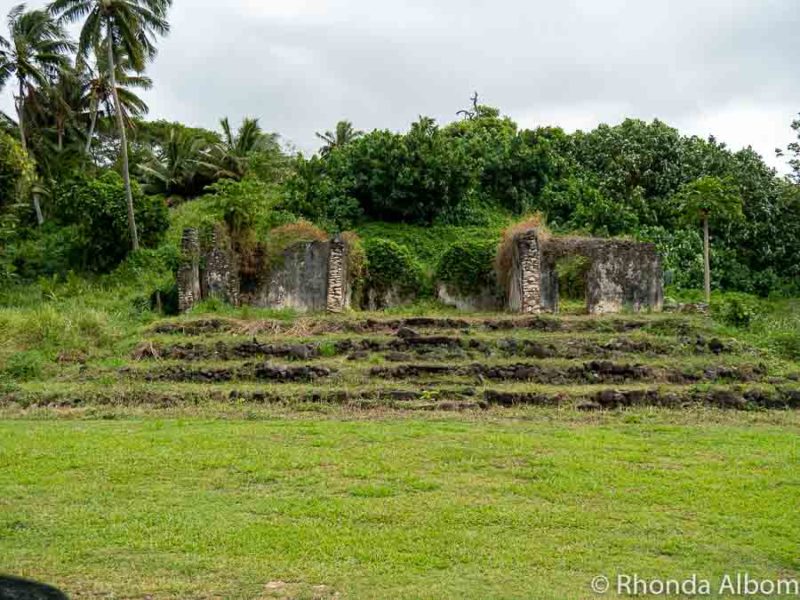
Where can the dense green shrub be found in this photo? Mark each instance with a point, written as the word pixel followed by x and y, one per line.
pixel 467 267
pixel 16 171
pixel 96 209
pixel 393 266
pixel 428 244
pixel 572 272
pixel 736 310
pixel 24 366
pixel 681 251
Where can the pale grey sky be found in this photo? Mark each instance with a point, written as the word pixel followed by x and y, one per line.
pixel 722 67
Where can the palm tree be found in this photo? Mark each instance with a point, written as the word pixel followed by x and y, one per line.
pixel 99 92
pixel 344 134
pixel 705 198
pixel 175 168
pixel 230 158
pixel 59 104
pixel 129 26
pixel 35 53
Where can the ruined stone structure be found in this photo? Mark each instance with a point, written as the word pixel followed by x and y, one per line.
pixel 313 276
pixel 188 276
pixel 308 276
pixel 337 299
pixel 621 274
pixel 221 272
pixel 525 293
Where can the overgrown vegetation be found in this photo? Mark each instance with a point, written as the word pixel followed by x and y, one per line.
pixel 468 267
pixel 392 267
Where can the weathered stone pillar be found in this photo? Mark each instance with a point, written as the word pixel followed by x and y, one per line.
pixel 188 277
pixel 529 275
pixel 337 276
pixel 221 272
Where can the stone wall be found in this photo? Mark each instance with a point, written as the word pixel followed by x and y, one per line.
pixel 221 269
pixel 299 280
pixel 338 296
pixel 308 277
pixel 489 298
pixel 526 277
pixel 621 274
pixel 188 276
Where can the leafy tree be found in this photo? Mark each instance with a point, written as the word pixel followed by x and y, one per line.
pixel 95 208
pixel 343 135
pixel 794 153
pixel 128 28
pixel 703 199
pixel 16 171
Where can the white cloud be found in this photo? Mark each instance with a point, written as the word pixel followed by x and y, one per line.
pixel 706 66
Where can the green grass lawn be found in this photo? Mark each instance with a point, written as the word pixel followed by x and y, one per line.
pixel 532 506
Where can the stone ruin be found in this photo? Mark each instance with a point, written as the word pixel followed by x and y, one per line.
pixel 620 274
pixel 312 276
pixel 308 277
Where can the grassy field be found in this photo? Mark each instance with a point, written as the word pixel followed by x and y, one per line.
pixel 529 503
pixel 144 462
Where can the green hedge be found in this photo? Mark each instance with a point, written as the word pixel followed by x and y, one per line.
pixel 392 265
pixel 467 267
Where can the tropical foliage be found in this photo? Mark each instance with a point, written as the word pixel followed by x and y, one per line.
pixel 80 121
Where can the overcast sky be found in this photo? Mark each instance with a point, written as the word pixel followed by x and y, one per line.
pixel 722 67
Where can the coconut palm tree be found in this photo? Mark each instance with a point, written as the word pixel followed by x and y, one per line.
pixel 230 158
pixel 99 94
pixel 703 199
pixel 128 28
pixel 35 52
pixel 344 134
pixel 57 107
pixel 174 170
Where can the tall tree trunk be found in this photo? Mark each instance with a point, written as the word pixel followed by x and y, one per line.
pixel 92 125
pixel 123 138
pixel 707 258
pixel 37 208
pixel 21 115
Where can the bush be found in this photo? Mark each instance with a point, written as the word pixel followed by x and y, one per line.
pixel 96 208
pixel 356 260
pixel 247 207
pixel 16 171
pixel 736 310
pixel 392 266
pixel 468 267
pixel 24 366
pixel 285 236
pixel 572 272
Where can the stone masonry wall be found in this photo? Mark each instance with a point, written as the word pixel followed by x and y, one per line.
pixel 337 276
pixel 622 274
pixel 221 274
pixel 309 276
pixel 188 277
pixel 526 279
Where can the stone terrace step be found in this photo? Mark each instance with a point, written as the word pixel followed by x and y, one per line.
pixel 409 344
pixel 320 326
pixel 740 397
pixel 545 373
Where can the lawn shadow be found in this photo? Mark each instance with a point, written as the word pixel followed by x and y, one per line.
pixel 14 588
